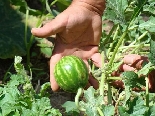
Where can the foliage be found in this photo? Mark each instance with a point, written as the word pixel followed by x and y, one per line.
pixel 18 97
pixel 133 31
pixel 11 33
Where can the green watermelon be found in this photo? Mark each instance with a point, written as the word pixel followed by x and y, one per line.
pixel 71 73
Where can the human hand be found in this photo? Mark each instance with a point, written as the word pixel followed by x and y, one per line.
pixel 78 31
pixel 133 62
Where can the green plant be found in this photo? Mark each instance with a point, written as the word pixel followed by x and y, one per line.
pixel 130 34
pixel 18 98
pixel 12 31
pixel 71 73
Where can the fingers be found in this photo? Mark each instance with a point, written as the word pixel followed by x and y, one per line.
pixel 54 26
pixel 97 59
pixel 54 59
pixel 131 58
pixel 135 60
pixel 125 67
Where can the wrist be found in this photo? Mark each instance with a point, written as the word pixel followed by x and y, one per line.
pixel 93 5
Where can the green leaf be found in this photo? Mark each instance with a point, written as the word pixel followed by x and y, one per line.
pixel 44 87
pixel 149 25
pixel 15 100
pixel 149 7
pixel 46 47
pixel 46 51
pixel 151 55
pixel 122 111
pixel 27 112
pixel 70 106
pixel 63 4
pixel 41 107
pixel 129 78
pixel 12 32
pixel 92 102
pixel 146 69
pixel 152 111
pixel 136 107
pixel 115 10
pixel 18 2
pixel 109 110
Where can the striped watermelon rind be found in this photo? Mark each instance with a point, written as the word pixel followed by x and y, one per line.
pixel 71 73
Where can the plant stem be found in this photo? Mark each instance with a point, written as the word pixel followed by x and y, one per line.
pixel 114 37
pixel 25 39
pixel 133 46
pixel 134 42
pixel 100 112
pixel 26 26
pixel 79 93
pixel 116 49
pixel 28 47
pixel 109 94
pixel 53 2
pixel 137 48
pixel 6 74
pixel 101 88
pixel 114 78
pixel 111 63
pixel 147 91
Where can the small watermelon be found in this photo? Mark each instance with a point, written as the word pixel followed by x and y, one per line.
pixel 71 73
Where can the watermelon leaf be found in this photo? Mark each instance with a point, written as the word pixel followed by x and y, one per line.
pixel 91 102
pixel 115 10
pixel 108 110
pixel 152 53
pixel 129 78
pixel 146 69
pixel 152 111
pixel 11 32
pixel 135 107
pixel 70 106
pixel 148 25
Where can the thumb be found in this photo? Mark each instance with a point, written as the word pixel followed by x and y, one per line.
pixel 54 26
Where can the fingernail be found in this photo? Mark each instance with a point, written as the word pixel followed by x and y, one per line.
pixel 33 30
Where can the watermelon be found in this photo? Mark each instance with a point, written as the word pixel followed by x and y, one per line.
pixel 71 73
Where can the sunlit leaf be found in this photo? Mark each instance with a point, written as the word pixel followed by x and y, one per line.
pixel 12 32
pixel 149 25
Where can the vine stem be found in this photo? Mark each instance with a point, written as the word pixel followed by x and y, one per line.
pixel 109 94
pixel 79 93
pixel 116 49
pixel 103 76
pixel 134 42
pixel 147 94
pixel 28 45
pixel 147 91
pixel 100 112
pixel 114 78
pixel 111 62
pixel 114 37
pixel 26 26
